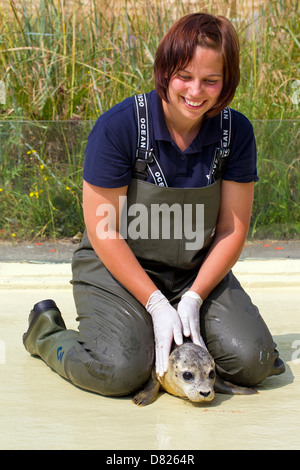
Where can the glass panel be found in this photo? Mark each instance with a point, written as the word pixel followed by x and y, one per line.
pixel 41 166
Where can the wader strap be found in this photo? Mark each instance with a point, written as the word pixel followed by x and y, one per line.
pixel 145 161
pixel 222 152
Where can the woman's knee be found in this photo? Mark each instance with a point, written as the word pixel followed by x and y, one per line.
pixel 116 350
pixel 246 363
pixel 236 335
pixel 116 374
pixel 128 359
pixel 130 373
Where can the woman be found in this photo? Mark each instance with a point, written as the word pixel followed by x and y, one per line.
pixel 148 288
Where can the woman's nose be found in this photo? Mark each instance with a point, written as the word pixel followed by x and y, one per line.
pixel 196 89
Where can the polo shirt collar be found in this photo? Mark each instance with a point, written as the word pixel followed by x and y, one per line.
pixel 209 133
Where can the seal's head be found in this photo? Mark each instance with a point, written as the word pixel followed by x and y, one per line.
pixel 191 373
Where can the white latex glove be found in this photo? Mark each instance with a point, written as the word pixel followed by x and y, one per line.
pixel 189 311
pixel 166 325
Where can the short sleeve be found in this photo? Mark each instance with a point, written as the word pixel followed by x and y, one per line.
pixel 110 150
pixel 241 166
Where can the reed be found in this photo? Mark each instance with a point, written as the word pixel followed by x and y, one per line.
pixel 63 59
pixel 64 62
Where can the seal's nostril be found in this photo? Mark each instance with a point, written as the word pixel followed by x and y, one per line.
pixel 204 394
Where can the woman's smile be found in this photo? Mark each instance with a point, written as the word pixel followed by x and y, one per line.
pixel 193 104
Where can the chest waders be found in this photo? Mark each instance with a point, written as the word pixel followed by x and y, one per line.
pixel 170 231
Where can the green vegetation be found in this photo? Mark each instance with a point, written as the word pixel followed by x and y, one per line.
pixel 64 62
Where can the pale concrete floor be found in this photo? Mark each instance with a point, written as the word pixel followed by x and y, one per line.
pixel 40 410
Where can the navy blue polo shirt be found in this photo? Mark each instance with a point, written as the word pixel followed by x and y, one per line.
pixel 111 148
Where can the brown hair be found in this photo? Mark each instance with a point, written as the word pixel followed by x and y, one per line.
pixel 177 48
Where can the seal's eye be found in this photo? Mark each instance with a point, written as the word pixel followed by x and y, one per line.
pixel 187 376
pixel 212 374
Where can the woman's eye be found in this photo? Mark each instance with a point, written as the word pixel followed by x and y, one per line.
pixel 210 82
pixel 183 77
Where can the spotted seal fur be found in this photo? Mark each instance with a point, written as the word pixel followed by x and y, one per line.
pixel 191 374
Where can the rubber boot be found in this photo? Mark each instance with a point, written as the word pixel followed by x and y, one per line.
pixel 47 336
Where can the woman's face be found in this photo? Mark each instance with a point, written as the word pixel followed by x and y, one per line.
pixel 194 90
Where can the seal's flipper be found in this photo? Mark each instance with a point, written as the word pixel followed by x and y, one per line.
pixel 221 386
pixel 149 393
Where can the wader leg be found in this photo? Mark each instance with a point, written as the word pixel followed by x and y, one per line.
pixel 237 336
pixel 115 352
pixel 114 355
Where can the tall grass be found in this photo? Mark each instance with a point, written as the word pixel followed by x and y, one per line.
pixel 276 212
pixel 74 59
pixel 69 61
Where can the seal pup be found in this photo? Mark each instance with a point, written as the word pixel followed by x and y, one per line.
pixel 191 375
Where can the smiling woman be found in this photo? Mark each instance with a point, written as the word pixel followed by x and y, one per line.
pixel 135 297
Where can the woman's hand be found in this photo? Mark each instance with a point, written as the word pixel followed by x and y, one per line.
pixel 189 311
pixel 166 325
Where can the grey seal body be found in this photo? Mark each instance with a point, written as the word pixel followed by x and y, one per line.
pixel 191 375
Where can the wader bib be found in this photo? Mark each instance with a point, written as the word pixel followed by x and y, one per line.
pixel 113 352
